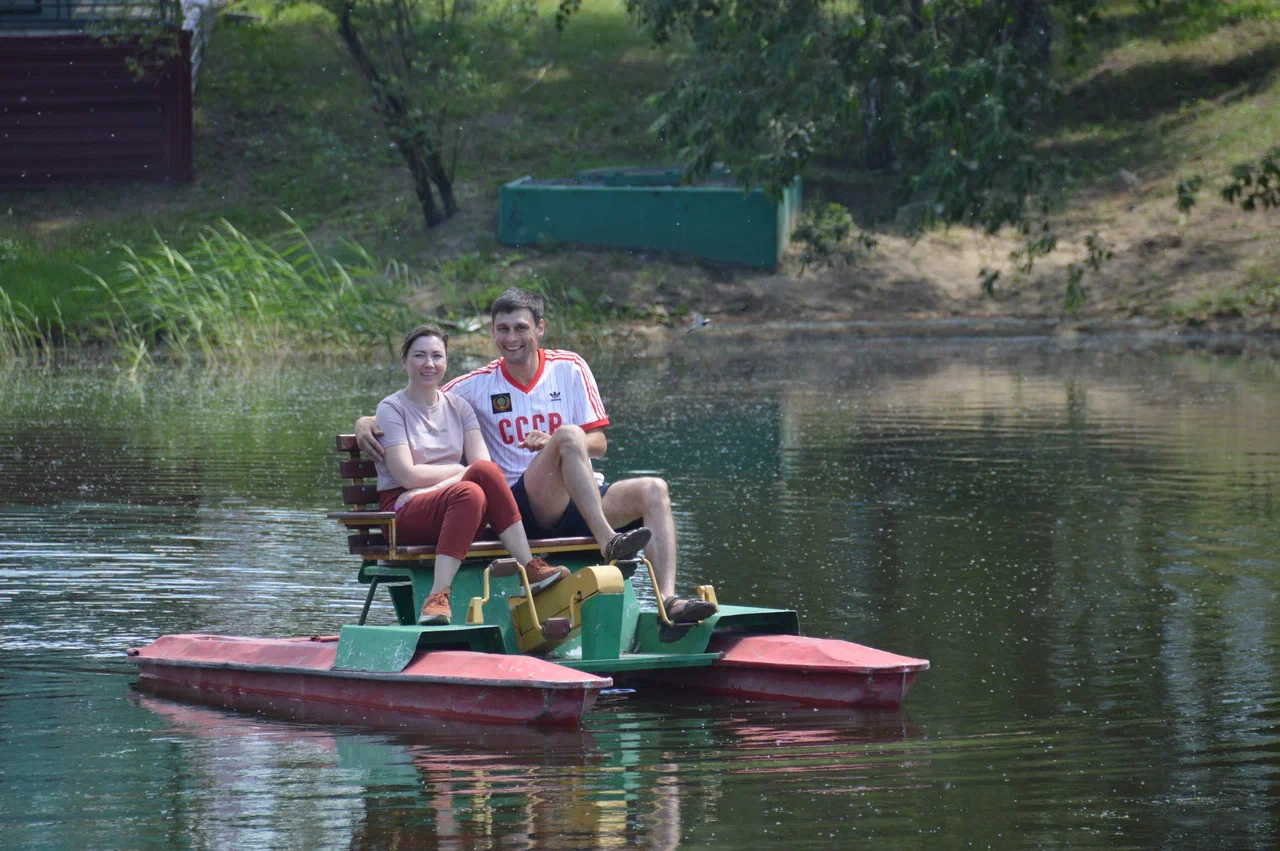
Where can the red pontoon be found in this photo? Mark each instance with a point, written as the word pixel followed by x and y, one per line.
pixel 453 683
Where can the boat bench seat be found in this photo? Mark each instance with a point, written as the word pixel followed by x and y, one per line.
pixel 373 532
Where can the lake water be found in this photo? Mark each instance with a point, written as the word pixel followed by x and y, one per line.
pixel 1082 538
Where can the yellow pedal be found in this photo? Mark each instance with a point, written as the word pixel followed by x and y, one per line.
pixel 561 601
pixel 497 567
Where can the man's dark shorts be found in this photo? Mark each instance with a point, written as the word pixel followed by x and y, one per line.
pixel 570 525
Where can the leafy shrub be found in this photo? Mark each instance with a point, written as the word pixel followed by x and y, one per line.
pixel 829 237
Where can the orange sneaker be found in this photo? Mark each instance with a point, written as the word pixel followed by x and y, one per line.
pixel 436 611
pixel 542 575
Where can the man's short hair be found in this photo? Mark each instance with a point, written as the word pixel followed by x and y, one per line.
pixel 517 299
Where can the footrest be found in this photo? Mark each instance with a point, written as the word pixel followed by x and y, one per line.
pixel 553 628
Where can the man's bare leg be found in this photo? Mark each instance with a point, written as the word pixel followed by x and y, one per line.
pixel 647 498
pixel 561 472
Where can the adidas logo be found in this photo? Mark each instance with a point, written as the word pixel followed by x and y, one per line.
pixel 555 395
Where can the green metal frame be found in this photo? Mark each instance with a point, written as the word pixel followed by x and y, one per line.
pixel 615 635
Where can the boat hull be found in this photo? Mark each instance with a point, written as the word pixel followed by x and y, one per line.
pixel 448 683
pixel 811 671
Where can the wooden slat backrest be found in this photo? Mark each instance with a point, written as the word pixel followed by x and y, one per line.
pixel 361 496
pixel 357 469
pixel 368 538
pixel 361 469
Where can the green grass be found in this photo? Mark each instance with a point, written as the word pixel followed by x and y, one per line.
pixel 1259 294
pixel 1197 87
pixel 51 289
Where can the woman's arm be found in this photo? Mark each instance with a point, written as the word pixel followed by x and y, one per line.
pixel 473 446
pixel 412 492
pixel 410 475
pixel 474 449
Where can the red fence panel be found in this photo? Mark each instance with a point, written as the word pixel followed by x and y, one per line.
pixel 73 111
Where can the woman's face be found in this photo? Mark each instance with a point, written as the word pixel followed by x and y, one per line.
pixel 426 363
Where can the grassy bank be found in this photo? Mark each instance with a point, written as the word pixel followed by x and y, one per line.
pixel 282 123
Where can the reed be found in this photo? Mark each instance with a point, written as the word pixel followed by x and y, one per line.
pixel 24 334
pixel 234 296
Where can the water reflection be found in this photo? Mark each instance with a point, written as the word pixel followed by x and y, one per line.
pixel 388 780
pixel 1082 539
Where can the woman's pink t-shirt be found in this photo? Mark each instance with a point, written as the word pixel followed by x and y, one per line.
pixel 434 434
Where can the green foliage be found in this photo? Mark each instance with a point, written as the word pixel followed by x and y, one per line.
pixel 945 93
pixel 1259 294
pixel 421 62
pixel 945 98
pixel 11 250
pixel 232 295
pixel 1187 190
pixel 1192 18
pixel 829 237
pixel 1252 185
pixel 22 333
pixel 1255 184
pixel 1098 252
pixel 26 328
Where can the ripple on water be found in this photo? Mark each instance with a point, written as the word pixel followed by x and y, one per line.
pixel 1081 540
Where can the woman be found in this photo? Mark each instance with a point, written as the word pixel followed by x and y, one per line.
pixel 438 499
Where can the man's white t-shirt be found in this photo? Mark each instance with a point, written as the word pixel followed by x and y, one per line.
pixel 563 390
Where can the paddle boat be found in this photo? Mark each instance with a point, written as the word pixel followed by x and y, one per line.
pixel 512 656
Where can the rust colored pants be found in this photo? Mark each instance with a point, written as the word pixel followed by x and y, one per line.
pixel 451 517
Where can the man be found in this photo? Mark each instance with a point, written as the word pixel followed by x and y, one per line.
pixel 543 420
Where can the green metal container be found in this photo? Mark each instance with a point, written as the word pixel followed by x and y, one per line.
pixel 651 209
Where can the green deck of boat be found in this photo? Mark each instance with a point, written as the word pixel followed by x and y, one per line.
pixel 639 662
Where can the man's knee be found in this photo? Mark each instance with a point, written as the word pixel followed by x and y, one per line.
pixel 654 492
pixel 568 440
pixel 648 495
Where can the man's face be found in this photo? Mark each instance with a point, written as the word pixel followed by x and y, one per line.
pixel 516 335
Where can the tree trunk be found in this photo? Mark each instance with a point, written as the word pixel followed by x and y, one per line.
pixel 877 147
pixel 444 183
pixel 1033 31
pixel 423 161
pixel 422 185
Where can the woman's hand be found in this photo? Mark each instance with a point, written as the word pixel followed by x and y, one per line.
pixel 404 498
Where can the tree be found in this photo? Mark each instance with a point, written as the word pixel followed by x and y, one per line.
pixel 945 94
pixel 424 64
pixel 942 96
